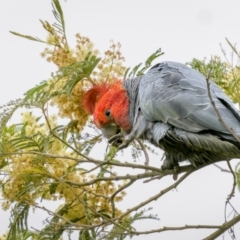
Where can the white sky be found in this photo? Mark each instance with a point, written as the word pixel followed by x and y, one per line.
pixel 183 29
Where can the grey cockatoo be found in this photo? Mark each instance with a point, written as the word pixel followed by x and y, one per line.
pixel 170 107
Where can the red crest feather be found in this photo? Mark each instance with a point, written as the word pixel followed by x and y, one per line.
pixel 93 95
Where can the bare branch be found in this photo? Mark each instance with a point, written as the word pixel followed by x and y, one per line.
pixel 118 191
pixel 144 151
pixel 95 161
pixel 117 178
pixel 155 197
pixel 153 178
pixel 234 182
pixel 163 229
pixel 223 228
pixel 51 213
pixel 224 170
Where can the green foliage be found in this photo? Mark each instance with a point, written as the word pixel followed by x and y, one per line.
pixel 60 24
pixel 217 66
pixel 121 231
pixel 139 69
pixel 18 222
pixel 234 49
pixel 78 71
pixel 38 95
pixel 8 110
pixel 55 227
pixel 224 73
pixel 28 37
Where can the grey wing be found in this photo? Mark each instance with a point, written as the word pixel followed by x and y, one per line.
pixel 176 94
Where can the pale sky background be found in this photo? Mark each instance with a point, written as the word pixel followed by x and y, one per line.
pixel 183 29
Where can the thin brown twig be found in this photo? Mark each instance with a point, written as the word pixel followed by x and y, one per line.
pixel 216 110
pixel 106 221
pixel 153 178
pixel 118 191
pixel 94 168
pixel 95 161
pixel 95 194
pixel 184 169
pixel 224 170
pixel 144 151
pixel 163 229
pixel 234 182
pixel 51 213
pixel 117 178
pixel 61 140
pixel 155 197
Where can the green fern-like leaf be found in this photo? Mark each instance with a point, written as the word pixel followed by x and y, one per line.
pixel 233 48
pixel 55 227
pixel 28 37
pixel 7 112
pixel 119 232
pixel 139 70
pixel 78 71
pixel 60 24
pixel 58 14
pixel 18 221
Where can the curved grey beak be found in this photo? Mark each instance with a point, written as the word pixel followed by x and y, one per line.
pixel 109 131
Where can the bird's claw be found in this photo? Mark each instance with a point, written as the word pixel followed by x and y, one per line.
pixel 168 165
pixel 176 171
pixel 118 141
pixel 115 138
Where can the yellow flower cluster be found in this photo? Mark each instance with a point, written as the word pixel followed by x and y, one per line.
pixel 83 47
pixel 29 174
pixel 70 108
pixel 33 126
pixel 58 56
pixel 4 236
pixel 30 177
pixel 84 203
pixel 111 66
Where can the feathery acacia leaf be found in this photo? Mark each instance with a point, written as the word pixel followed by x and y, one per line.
pixel 233 48
pixel 58 14
pixel 18 225
pixel 28 37
pixel 138 70
pixel 7 112
pixel 78 71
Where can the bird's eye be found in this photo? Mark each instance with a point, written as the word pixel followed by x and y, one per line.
pixel 108 113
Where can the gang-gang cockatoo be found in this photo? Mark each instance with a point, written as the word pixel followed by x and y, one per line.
pixel 170 107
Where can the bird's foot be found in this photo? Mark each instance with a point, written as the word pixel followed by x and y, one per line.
pixel 116 140
pixel 169 165
pixel 176 171
pixel 120 141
